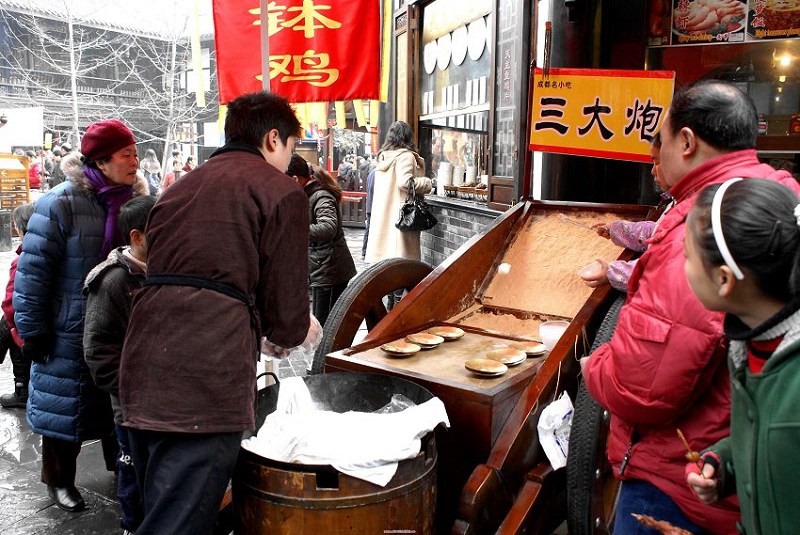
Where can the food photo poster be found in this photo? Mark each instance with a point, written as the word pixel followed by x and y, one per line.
pixel 702 22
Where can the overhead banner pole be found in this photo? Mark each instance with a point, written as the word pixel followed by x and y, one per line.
pixel 264 16
pixel 197 57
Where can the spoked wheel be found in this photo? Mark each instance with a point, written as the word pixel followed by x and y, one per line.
pixel 592 489
pixel 363 301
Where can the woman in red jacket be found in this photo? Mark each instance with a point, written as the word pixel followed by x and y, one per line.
pixel 35 171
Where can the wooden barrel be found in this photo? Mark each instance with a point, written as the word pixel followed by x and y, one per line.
pixel 272 497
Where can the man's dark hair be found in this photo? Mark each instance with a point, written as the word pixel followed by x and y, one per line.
pixel 133 215
pixel 717 112
pixel 298 166
pixel 250 117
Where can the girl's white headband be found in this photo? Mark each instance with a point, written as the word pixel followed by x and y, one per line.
pixel 716 228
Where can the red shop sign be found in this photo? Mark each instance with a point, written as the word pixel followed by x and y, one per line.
pixel 319 50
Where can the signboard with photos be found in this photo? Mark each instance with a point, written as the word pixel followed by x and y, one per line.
pixel 691 22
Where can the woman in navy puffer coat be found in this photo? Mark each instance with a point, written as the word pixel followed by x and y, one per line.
pixel 72 230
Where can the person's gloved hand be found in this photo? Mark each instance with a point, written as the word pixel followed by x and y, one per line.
pixel 309 345
pixel 314 336
pixel 37 349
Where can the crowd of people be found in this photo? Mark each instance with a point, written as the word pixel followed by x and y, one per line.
pixel 100 259
pixel 115 245
pixel 705 342
pixel 45 172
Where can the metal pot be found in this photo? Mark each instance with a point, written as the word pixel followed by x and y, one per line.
pixel 342 392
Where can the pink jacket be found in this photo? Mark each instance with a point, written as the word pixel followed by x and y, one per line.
pixel 7 306
pixel 665 366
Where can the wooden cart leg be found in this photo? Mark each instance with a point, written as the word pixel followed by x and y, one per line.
pixel 540 504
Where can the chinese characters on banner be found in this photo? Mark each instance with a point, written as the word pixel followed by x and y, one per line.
pixel 319 50
pixel 686 22
pixel 601 113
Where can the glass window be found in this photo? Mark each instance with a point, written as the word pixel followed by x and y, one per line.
pixel 769 72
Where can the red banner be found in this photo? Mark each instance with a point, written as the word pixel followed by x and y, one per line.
pixel 319 50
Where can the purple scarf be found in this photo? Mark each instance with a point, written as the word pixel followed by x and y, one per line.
pixel 112 197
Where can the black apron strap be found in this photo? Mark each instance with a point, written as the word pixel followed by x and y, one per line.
pixel 180 279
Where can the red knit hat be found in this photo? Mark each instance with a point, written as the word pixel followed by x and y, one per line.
pixel 104 138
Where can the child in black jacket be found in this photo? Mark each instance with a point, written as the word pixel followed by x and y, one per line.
pixel 110 288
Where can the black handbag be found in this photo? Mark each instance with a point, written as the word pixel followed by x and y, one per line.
pixel 415 215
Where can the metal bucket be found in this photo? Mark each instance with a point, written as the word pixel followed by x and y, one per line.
pixel 272 497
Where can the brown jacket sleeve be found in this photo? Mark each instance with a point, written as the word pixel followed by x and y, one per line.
pixel 283 284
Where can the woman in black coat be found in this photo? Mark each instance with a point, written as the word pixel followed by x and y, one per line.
pixel 330 264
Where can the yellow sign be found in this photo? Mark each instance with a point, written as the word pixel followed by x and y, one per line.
pixel 602 113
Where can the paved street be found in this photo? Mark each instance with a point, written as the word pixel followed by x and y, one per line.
pixel 25 507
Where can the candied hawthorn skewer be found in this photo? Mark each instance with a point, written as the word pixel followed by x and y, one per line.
pixel 691 455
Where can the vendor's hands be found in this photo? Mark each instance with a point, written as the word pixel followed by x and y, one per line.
pixel 703 482
pixel 596 274
pixel 603 229
pixel 314 336
pixel 272 350
pixel 310 344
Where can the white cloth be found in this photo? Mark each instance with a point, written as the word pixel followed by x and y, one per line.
pixel 363 445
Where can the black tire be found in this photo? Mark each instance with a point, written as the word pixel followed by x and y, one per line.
pixel 362 300
pixel 591 486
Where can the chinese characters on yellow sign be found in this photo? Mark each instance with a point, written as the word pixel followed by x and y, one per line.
pixel 602 113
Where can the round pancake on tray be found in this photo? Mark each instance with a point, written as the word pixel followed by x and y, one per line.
pixel 486 367
pixel 507 355
pixel 447 332
pixel 400 349
pixel 425 340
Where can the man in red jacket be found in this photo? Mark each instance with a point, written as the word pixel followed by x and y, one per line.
pixel 665 369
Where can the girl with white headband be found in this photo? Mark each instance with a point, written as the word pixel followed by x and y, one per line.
pixel 743 258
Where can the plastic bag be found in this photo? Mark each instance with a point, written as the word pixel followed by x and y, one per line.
pixel 554 426
pixel 305 350
pixel 398 403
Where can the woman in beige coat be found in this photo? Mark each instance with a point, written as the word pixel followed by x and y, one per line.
pixel 397 163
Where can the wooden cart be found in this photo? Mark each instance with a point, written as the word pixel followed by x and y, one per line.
pixel 493 475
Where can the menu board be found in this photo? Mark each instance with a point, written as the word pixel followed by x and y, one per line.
pixel 692 22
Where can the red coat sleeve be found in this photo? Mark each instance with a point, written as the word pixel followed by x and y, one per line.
pixel 8 307
pixel 666 347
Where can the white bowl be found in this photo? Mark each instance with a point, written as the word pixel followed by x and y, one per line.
pixel 551 332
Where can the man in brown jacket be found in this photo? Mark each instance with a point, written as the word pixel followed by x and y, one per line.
pixel 228 263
